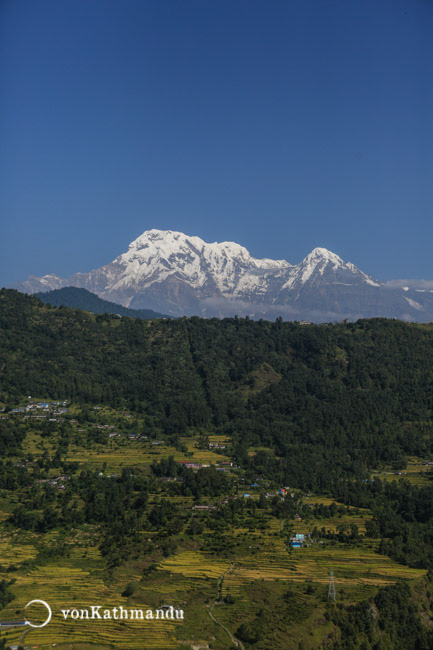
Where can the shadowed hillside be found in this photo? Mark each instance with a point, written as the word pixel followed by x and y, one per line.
pixel 83 299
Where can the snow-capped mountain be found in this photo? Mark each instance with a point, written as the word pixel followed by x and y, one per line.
pixel 322 265
pixel 177 274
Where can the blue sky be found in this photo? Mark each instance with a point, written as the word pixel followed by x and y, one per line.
pixel 282 125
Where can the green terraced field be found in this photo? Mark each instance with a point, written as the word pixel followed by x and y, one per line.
pixel 255 570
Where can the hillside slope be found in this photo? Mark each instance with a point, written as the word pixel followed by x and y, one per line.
pixel 330 400
pixel 83 299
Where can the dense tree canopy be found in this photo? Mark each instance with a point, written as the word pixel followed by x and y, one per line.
pixel 329 400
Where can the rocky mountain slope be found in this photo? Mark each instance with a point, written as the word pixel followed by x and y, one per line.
pixel 176 274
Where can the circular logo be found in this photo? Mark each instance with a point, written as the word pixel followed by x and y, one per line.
pixel 42 602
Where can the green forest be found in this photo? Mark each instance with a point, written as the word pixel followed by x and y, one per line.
pixel 330 400
pixel 316 407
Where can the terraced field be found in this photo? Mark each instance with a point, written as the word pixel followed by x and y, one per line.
pixel 415 472
pixel 357 516
pixel 188 579
pixel 195 564
pixel 123 452
pixel 353 565
pixel 315 563
pixel 132 453
pixel 78 583
pixel 232 570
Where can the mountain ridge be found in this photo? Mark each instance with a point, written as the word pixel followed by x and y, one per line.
pixel 78 298
pixel 173 273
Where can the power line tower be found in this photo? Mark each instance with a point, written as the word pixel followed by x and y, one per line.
pixel 332 594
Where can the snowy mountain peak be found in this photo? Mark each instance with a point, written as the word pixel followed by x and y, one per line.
pixel 165 238
pixel 158 256
pixel 162 242
pixel 322 254
pixel 321 267
pixel 169 242
pixel 175 273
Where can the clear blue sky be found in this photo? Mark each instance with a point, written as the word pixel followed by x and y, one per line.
pixel 282 125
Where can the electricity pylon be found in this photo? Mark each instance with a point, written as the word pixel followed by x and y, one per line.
pixel 332 594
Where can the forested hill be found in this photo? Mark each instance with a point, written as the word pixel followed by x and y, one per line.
pixel 329 400
pixel 83 299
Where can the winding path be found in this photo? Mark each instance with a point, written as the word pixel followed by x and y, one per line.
pixel 23 635
pixel 234 640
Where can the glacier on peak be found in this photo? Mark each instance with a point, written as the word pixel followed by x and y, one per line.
pixel 167 242
pixel 158 254
pixel 318 254
pixel 177 274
